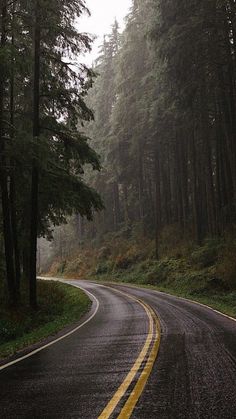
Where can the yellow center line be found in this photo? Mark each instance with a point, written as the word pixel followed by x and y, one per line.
pixel 109 409
pixel 129 406
pixel 129 378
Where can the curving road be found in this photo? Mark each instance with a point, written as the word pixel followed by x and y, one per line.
pixel 194 375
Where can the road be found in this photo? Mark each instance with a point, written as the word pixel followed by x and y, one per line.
pixel 100 370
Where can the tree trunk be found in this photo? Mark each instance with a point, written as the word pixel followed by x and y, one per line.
pixel 195 191
pixel 116 205
pixel 15 235
pixel 12 181
pixel 6 212
pixel 157 205
pixel 35 171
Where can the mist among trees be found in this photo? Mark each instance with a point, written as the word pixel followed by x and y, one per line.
pixel 155 117
pixel 164 105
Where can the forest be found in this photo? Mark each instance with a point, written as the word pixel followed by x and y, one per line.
pixel 165 119
pixel 164 105
pixel 42 150
pixel 118 209
pixel 140 148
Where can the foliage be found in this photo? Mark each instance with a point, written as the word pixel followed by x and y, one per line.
pixel 166 116
pixel 207 254
pixel 164 105
pixel 226 265
pixel 43 146
pixel 60 305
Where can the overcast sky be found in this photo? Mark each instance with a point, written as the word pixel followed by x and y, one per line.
pixel 103 14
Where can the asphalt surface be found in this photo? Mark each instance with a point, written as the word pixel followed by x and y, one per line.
pixel 194 375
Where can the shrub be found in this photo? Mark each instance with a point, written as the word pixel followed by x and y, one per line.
pixel 173 243
pixel 122 262
pixel 73 266
pixel 226 267
pixel 163 270
pixel 104 267
pixel 57 268
pixel 207 255
pixel 129 258
pixel 104 252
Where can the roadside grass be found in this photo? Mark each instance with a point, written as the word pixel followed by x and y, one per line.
pixel 177 278
pixel 205 273
pixel 222 302
pixel 59 306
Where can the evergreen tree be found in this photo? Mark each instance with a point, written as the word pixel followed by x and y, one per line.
pixel 169 138
pixel 43 146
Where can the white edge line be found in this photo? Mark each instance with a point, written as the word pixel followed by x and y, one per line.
pixel 176 296
pixel 170 295
pixel 58 339
pixel 204 305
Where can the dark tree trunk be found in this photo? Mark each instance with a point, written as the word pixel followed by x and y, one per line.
pixel 15 235
pixel 116 204
pixel 195 192
pixel 141 187
pixel 12 181
pixel 6 211
pixel 126 206
pixel 35 171
pixel 157 205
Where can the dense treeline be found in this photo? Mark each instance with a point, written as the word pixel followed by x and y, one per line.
pixel 165 124
pixel 165 109
pixel 42 151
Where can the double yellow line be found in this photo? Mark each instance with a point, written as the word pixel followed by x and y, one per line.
pixel 149 353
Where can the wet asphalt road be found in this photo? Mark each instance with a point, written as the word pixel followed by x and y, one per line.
pixel 194 375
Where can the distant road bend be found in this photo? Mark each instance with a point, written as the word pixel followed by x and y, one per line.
pixel 115 365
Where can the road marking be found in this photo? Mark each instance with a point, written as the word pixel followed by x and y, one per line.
pixel 58 339
pixel 203 305
pixel 188 300
pixel 129 406
pixel 139 387
pixel 129 378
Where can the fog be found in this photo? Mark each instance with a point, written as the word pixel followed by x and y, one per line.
pixel 103 14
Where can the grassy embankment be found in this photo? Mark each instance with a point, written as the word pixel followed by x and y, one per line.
pixel 204 273
pixel 59 305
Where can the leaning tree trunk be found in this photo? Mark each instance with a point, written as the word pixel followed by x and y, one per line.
pixel 35 172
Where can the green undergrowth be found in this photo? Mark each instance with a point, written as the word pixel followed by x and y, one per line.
pixel 225 302
pixel 59 306
pixel 205 273
pixel 197 277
